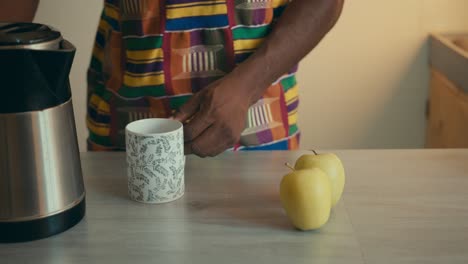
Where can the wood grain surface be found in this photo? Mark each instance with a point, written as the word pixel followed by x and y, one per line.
pixel 399 206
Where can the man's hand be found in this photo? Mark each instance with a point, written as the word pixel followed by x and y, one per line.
pixel 215 117
pixel 217 114
pixel 18 10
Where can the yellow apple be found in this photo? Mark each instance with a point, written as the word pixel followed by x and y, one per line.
pixel 306 198
pixel 331 165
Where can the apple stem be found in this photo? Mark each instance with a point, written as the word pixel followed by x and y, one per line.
pixel 315 152
pixel 289 166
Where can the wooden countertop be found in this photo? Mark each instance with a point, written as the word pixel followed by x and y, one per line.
pixel 399 206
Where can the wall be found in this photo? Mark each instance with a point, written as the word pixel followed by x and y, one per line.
pixel 364 86
pixel 77 20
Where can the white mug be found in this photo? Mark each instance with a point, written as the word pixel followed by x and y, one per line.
pixel 155 159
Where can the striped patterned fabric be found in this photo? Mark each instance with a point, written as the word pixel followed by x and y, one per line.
pixel 150 56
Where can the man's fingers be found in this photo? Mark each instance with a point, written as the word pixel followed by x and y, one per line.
pixel 197 125
pixel 188 109
pixel 210 143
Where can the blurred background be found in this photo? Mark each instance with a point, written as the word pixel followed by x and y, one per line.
pixel 365 86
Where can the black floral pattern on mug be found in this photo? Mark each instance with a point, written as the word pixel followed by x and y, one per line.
pixel 155 166
pixel 149 185
pixel 143 150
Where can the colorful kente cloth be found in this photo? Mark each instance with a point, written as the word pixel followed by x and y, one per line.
pixel 150 56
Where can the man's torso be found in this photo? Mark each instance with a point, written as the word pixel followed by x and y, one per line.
pixel 150 56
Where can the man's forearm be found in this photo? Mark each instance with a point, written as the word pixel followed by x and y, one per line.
pixel 18 10
pixel 301 27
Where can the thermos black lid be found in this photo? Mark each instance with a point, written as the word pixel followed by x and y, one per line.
pixel 26 34
pixel 35 62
